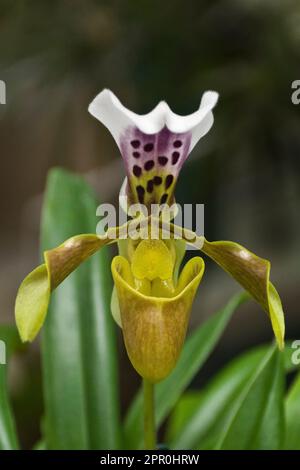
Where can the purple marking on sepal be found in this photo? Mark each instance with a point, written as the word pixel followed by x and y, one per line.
pixel 162 160
pixel 158 155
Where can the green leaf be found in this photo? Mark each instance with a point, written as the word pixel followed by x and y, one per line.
pixel 199 417
pixel 292 415
pixel 181 417
pixel 9 343
pixel 256 418
pixel 40 445
pixel 197 422
pixel 79 344
pixel 291 363
pixel 9 334
pixel 195 352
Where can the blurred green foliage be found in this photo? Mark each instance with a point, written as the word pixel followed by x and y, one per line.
pixel 56 55
pixel 66 51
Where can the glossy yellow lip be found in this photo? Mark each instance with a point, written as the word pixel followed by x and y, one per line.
pixel 154 328
pixel 191 272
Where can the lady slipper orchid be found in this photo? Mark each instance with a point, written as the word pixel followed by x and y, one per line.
pixel 151 300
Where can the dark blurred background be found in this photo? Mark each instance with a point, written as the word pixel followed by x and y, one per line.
pixel 57 55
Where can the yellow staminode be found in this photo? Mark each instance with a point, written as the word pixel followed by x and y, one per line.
pixel 152 259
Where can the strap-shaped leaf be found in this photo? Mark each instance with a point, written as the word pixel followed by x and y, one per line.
pixel 78 345
pixel 256 416
pixel 253 273
pixel 201 419
pixel 292 414
pixel 197 419
pixel 199 416
pixel 9 344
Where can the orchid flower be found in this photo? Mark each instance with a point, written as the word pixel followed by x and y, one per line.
pixel 152 298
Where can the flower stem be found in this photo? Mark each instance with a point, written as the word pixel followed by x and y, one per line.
pixel 149 419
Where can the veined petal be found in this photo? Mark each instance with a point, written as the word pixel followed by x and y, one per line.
pixel 253 273
pixel 34 293
pixel 154 328
pixel 62 260
pixel 32 303
pixel 248 269
pixel 154 146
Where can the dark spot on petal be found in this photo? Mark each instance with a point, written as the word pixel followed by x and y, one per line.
pixel 149 165
pixel 148 147
pixel 162 160
pixel 175 157
pixel 136 154
pixel 157 180
pixel 135 144
pixel 163 199
pixel 140 192
pixel 150 186
pixel 177 144
pixel 137 171
pixel 169 181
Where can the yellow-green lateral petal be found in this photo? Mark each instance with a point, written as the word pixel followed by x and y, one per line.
pixel 62 260
pixel 154 328
pixel 253 273
pixel 32 303
pixel 276 315
pixel 34 293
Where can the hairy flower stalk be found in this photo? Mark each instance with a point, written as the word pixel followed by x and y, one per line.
pixel 152 297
